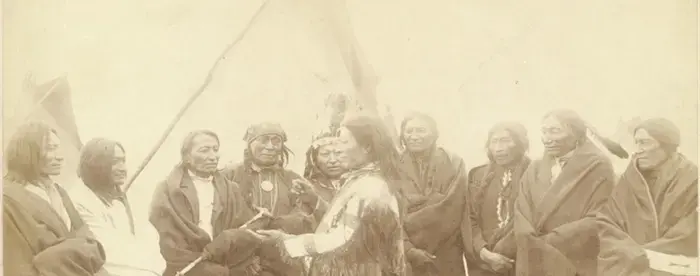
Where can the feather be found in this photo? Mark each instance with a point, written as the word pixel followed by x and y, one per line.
pixel 612 146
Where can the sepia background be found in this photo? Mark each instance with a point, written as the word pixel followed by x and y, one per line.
pixel 132 64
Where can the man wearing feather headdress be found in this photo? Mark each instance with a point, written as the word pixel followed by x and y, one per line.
pixel 266 183
pixel 650 225
pixel 323 168
pixel 488 223
pixel 560 195
pixel 105 209
pixel 433 187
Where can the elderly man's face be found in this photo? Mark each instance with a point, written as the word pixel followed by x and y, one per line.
pixel 558 139
pixel 118 175
pixel 418 135
pixel 649 153
pixel 52 161
pixel 266 149
pixel 502 147
pixel 204 154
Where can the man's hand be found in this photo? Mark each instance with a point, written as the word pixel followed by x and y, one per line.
pixel 422 260
pixel 416 198
pixel 435 197
pixel 415 201
pixel 497 262
pixel 222 244
pixel 306 192
pixel 273 234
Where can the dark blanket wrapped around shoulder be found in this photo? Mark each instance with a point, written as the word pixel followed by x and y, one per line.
pixel 175 213
pixel 37 242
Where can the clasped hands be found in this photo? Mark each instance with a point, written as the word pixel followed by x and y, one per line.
pixel 241 247
pixel 422 260
pixel 497 262
pixel 241 238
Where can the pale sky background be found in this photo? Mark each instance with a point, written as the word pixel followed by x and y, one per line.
pixel 470 63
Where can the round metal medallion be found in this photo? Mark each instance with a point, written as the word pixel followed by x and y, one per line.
pixel 266 186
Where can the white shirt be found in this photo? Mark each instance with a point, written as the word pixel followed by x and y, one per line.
pixel 126 253
pixel 205 195
pixel 559 163
pixel 119 218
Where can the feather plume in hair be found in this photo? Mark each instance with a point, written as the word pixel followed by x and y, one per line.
pixel 583 130
pixel 612 146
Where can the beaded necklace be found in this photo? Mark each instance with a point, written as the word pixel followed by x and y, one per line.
pixel 503 219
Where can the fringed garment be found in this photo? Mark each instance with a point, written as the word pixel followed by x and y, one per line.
pixel 326 188
pixel 650 227
pixel 359 235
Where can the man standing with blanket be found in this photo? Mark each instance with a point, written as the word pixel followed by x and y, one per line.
pixel 197 212
pixel 434 192
pixel 650 225
pixel 492 190
pixel 560 195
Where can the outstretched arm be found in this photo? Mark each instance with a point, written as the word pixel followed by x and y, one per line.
pixel 318 243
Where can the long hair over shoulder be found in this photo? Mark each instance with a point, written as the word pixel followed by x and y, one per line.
pixel 384 241
pixel 24 152
pixel 371 133
pixel 95 167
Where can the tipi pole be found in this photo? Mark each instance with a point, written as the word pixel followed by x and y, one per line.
pixel 194 97
pixel 361 72
pixel 37 104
